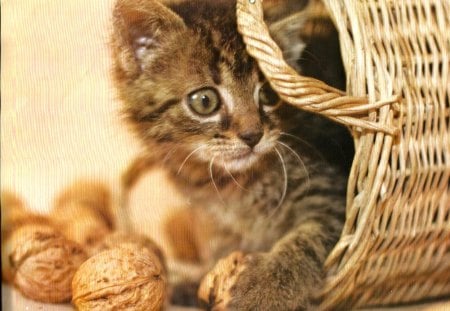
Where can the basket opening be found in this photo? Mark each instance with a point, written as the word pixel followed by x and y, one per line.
pixel 321 58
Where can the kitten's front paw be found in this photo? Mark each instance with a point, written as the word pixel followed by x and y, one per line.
pixel 254 282
pixel 214 291
pixel 264 284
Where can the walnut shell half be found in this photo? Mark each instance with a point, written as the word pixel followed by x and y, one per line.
pixel 43 262
pixel 120 279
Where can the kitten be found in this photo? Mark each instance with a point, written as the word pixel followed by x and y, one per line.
pixel 263 170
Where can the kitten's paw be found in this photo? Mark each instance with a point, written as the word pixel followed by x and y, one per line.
pixel 264 284
pixel 254 282
pixel 214 291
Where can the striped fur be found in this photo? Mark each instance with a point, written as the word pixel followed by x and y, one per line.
pixel 282 201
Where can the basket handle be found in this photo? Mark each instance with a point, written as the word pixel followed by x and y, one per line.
pixel 303 92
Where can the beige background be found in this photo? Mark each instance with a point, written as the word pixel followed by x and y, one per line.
pixel 59 118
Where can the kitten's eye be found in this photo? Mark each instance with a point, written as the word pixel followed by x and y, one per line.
pixel 204 102
pixel 267 96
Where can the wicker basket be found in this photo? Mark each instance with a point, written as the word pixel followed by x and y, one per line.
pixel 395 246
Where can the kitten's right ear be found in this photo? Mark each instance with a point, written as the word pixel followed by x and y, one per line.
pixel 139 28
pixel 286 18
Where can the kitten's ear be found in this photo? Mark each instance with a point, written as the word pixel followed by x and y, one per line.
pixel 139 28
pixel 285 19
pixel 276 10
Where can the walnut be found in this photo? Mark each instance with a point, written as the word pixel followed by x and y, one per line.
pixel 43 262
pixel 120 279
pixel 15 213
pixel 81 224
pixel 130 240
pixel 82 213
pixel 89 193
pixel 215 286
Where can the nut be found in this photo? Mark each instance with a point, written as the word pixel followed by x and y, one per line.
pixel 130 240
pixel 120 279
pixel 80 223
pixel 83 213
pixel 11 202
pixel 89 193
pixel 43 262
pixel 9 247
pixel 215 286
pixel 15 214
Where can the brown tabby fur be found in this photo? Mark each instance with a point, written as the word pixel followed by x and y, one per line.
pixel 284 207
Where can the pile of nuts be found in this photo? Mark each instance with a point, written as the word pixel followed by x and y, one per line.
pixel 73 254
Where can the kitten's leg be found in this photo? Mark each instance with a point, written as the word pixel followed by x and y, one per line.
pixel 130 176
pixel 184 280
pixel 202 237
pixel 289 275
pixel 135 170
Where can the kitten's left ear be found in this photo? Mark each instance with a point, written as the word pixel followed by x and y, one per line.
pixel 140 27
pixel 285 19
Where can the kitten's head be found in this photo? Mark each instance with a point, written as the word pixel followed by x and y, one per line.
pixel 188 85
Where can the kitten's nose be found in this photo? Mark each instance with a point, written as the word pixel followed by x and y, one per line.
pixel 251 138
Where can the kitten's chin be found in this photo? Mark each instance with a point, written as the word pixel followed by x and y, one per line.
pixel 245 160
pixel 241 163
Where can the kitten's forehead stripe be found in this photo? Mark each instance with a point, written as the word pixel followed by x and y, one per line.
pixel 214 67
pixel 216 26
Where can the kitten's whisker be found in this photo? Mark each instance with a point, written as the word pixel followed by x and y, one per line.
pixel 211 163
pixel 234 179
pixel 187 158
pixel 296 57
pixel 314 58
pixel 301 162
pixel 283 195
pixel 169 154
pixel 297 138
pixel 305 142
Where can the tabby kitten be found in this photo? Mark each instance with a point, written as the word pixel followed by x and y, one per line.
pixel 258 167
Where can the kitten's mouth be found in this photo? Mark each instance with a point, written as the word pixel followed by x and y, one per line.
pixel 240 156
pixel 240 161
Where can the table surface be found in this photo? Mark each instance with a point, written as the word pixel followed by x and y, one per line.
pixel 13 300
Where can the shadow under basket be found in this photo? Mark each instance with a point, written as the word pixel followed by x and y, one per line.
pixel 395 245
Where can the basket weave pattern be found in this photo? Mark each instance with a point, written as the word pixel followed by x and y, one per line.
pixel 395 246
